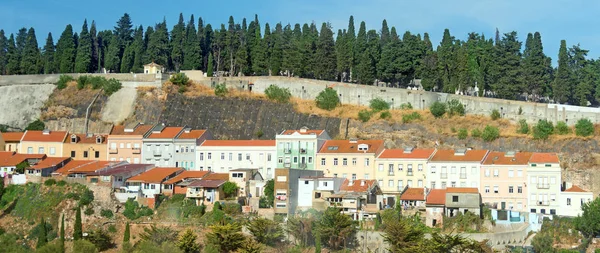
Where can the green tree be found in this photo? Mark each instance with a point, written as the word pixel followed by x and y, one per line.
pixel 402 236
pixel 508 59
pixel 123 30
pixel 209 70
pixel 83 59
pixel 66 50
pixel 269 191
pixel 30 58
pixel 48 56
pixel 588 223
pixel 542 130
pixel 275 93
pixel 379 104
pixel 3 52
pixel 562 128
pixel 158 45
pixel 187 242
pixel 536 66
pixel 455 107
pixel 112 60
pixel 490 133
pixel 543 242
pixel 437 109
pixel 126 234
pixel 301 227
pixel 78 227
pixel 192 57
pixel 325 54
pixel 562 80
pixel 265 231
pixel 36 125
pixel 177 39
pixel 159 235
pixel 12 57
pixel 84 246
pixel 42 237
pixel 328 99
pixel 230 189
pixel 337 230
pixel 584 127
pixel 101 239
pixel 226 238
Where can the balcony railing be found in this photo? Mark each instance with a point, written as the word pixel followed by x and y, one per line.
pixel 137 150
pixel 463 175
pixel 444 175
pixel 113 151
pixel 287 165
pixel 543 203
pixel 157 153
pixel 543 186
pixel 302 151
pixel 287 151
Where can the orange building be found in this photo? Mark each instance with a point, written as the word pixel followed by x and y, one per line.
pixel 11 140
pixel 43 142
pixel 85 147
pixel 178 184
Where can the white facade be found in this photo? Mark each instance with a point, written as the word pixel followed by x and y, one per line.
pixel 441 175
pixel 306 186
pixel 150 189
pixel 222 159
pixel 543 185
pixel 571 202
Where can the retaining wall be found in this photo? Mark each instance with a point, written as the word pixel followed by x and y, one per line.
pixel 137 78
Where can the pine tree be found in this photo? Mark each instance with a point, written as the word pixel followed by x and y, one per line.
pixel 124 31
pixel 350 41
pixel 232 41
pixel 140 49
pixel 360 47
pixel 508 57
pixel 65 51
pixel 325 54
pixel 83 60
pixel 276 54
pixel 62 234
pixel 192 59
pixel 187 242
pixel 128 58
pixel 445 53
pixel 48 56
pixel 112 60
pixel 562 81
pixel 21 40
pixel 385 34
pixel 366 71
pixel 78 227
pixel 177 38
pixel 126 234
pixel 95 47
pixel 259 51
pixel 12 57
pixel 209 69
pixel 536 70
pixel 30 59
pixel 158 45
pixel 3 52
pixel 43 236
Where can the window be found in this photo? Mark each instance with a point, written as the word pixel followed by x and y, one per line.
pixel 366 175
pixel 568 201
pixel 29 150
pixel 420 183
pixel 268 157
pixel 344 175
pixel 432 169
pixel 552 211
pixel 208 156
pixel 443 185
pixel 380 182
pixel 511 173
pixel 325 184
pixel 310 159
pixel 420 167
pixel 454 198
pixel 85 154
pixel 519 173
pixel 353 177
pixel 230 156
pixel 345 161
pixel 495 189
pixel 453 184
pixel 191 165
pixel 391 170
pixel 128 160
pixel 239 156
pixel 122 145
pixel 128 145
pixel 335 161
pixel 222 156
pixel 400 184
pixel 136 145
pixel 366 161
pixel 487 172
pixel 473 170
pixel 241 175
pixel 409 169
pixel 552 180
pixel 41 150
pixel 533 197
pixel 400 167
pixel 533 180
pixel 353 161
pixel 280 159
pixel 510 189
pixel 496 173
pixel 390 183
pixel 380 167
pixel 453 170
pixel 96 154
pixel 152 186
pixel 52 151
pixel 317 195
pixel 323 161
pixel 201 156
pixel 248 156
pixel 72 154
pixel 295 159
pixel 433 185
pixel 487 189
pixel 280 205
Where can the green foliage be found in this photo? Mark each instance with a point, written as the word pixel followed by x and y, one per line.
pixel 159 235
pixel 221 90
pixel 562 128
pixel 542 130
pixel 152 247
pixel 78 227
pixel 106 213
pixel 385 115
pixel 328 99
pixel 462 133
pixel 584 127
pixel 476 133
pixel 406 106
pixel 89 211
pixel 364 115
pixel 275 93
pixel 437 109
pixel 20 168
pixel 217 206
pixel 52 247
pixel 269 192
pixel 82 82
pixel 543 243
pixel 523 127
pixel 411 117
pixel 43 234
pixel 112 228
pixel 61 183
pixel 126 234
pixel 112 86
pixel 378 105
pixel 86 198
pixel 226 238
pixel 455 107
pixel 495 114
pixel 84 246
pixel 187 242
pixel 36 125
pixel 209 70
pixel 62 234
pixel 490 133
pixel 337 230
pixel 265 231
pixel 50 182
pixel 179 79
pixel 230 189
pixel 134 211
pixel 101 239
pixel 231 209
pixel 63 80
pixel 589 222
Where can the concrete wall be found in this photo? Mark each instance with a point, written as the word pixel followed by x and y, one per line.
pixel 362 94
pixel 21 104
pixel 53 78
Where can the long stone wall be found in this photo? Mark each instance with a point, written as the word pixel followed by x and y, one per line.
pixel 137 78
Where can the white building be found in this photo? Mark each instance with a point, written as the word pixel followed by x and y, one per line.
pixel 544 183
pixel 455 168
pixel 313 191
pixel 150 183
pixel 572 199
pixel 223 156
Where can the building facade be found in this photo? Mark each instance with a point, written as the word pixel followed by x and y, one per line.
pixel 185 147
pixel 350 159
pixel 85 147
pixel 455 168
pixel 11 141
pixel 297 149
pixel 462 200
pixel 544 184
pixel 223 156
pixel 45 142
pixel 399 168
pixel 125 143
pixel 286 188
pixel 159 145
pixel 572 199
pixel 504 180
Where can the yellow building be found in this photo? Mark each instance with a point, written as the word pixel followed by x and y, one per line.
pixel 399 168
pixel 153 68
pixel 82 147
pixel 43 142
pixel 11 141
pixel 349 159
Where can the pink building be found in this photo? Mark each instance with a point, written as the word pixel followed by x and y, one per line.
pixel 504 180
pixel 125 142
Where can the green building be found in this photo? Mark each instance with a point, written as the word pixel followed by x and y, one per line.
pixel 297 149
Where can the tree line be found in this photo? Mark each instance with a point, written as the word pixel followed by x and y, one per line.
pixel 500 66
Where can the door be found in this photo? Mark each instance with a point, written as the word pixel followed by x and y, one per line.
pixel 503 205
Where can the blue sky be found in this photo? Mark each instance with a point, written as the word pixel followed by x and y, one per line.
pixel 573 20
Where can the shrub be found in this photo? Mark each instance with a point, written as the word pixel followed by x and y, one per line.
pixel 438 109
pixel 112 86
pixel 455 107
pixel 385 115
pixel 36 125
pixel 84 246
pixel 106 213
pixel 562 128
pixel 495 114
pixel 275 93
pixel 584 127
pixel 89 211
pixel 97 82
pixel 406 106
pixel 520 110
pixel 231 208
pixel 63 80
pixel 50 182
pixel 179 79
pixel 112 228
pixel 542 130
pixel 81 82
pixel 523 127
pixel 328 99
pixel 490 133
pixel 379 104
pixel 61 183
pixel 408 118
pixel 476 133
pixel 221 90
pixel 364 115
pixel 100 239
pixel 462 133
pixel 86 198
pixel 453 129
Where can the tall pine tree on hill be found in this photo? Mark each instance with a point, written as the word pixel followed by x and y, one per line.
pixel 562 82
pixel 12 57
pixel 48 56
pixel 177 38
pixel 3 49
pixel 83 60
pixel 192 57
pixel 325 54
pixel 30 61
pixel 65 51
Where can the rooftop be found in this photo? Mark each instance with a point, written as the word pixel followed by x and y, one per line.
pixel 124 168
pixel 12 136
pixel 156 175
pixel 303 132
pixel 436 197
pixel 239 143
pixel 413 194
pixel 165 133
pixel 192 134
pixel 139 130
pixel 12 159
pixel 502 158
pixel 50 162
pixel 462 190
pixel 544 158
pixel 91 167
pixel 416 153
pixel 575 188
pixel 45 136
pixel 71 165
pixel 207 183
pixel 348 146
pixel 186 175
pixel 359 185
pixel 450 155
pixel 83 139
pixel 217 176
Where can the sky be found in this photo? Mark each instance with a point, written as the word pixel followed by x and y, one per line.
pixel 572 20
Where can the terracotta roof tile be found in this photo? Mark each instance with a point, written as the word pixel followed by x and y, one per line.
pixel 166 133
pixel 71 165
pixel 207 183
pixel 575 188
pixel 239 143
pixel 186 175
pixel 94 166
pixel 217 176
pixel 346 147
pixel 139 130
pixel 156 175
pixel 50 162
pixel 400 154
pixel 413 194
pixel 357 185
pixel 307 132
pixel 125 168
pixel 12 136
pixel 500 158
pixel 544 158
pixel 436 197
pixel 193 134
pixel 39 136
pixel 462 190
pixel 448 155
pixel 18 158
pixel 83 139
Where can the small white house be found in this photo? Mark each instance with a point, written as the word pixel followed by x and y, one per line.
pixel 150 183
pixel 572 199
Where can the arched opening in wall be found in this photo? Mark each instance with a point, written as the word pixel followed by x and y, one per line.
pixel 250 86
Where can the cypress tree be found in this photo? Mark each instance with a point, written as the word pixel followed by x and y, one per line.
pixel 177 38
pixel 146 58
pixel 83 61
pixel 508 59
pixel 276 50
pixel 158 45
pixel 78 228
pixel 536 69
pixel 385 33
pixel 12 57
pixel 42 237
pixel 209 69
pixel 140 49
pixel 124 31
pixel 65 51
pixel 325 54
pixel 62 233
pixel 112 60
pixel 259 51
pixel 3 52
pixel 562 80
pixel 350 40
pixel 192 58
pixel 21 40
pixel 126 233
pixel 48 56
pixel 445 53
pixel 31 54
pixel 95 45
pixel 360 46
pixel 128 58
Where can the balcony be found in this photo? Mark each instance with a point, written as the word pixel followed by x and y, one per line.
pixel 543 186
pixel 287 165
pixel 543 203
pixel 136 151
pixel 113 150
pixel 287 151
pixel 463 175
pixel 409 173
pixel 444 175
pixel 302 151
pixel 157 153
pixel 302 165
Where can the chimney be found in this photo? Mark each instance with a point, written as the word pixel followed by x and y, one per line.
pixel 46 131
pixel 187 130
pixel 303 129
pixel 353 140
pixel 362 182
pixel 408 150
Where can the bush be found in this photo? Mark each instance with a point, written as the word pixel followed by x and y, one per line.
pixel 385 115
pixel 221 90
pixel 438 109
pixel 490 133
pixel 327 99
pixel 112 228
pixel 523 127
pixel 462 133
pixel 112 86
pixel 476 133
pixel 50 182
pixel 408 118
pixel 495 114
pixel 364 115
pixel 455 107
pixel 562 128
pixel 231 208
pixel 106 213
pixel 584 127
pixel 179 79
pixel 406 106
pixel 275 93
pixel 542 130
pixel 81 82
pixel 101 239
pixel 63 80
pixel 36 125
pixel 379 104
pixel 133 210
pixel 86 198
pixel 89 211
pixel 61 183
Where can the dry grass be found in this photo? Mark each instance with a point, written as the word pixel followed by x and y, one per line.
pixel 55 112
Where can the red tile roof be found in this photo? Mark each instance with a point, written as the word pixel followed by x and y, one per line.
pixel 239 143
pixel 139 130
pixel 500 158
pixel 83 139
pixel 575 188
pixel 71 165
pixel 193 134
pixel 448 155
pixel 18 158
pixel 12 136
pixel 156 175
pixel 357 185
pixel 166 133
pixel 462 190
pixel 399 153
pixel 413 194
pixel 50 162
pixel 346 147
pixel 186 175
pixel 217 176
pixel 436 197
pixel 125 168
pixel 53 136
pixel 544 158
pixel 307 132
pixel 207 183
pixel 91 167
